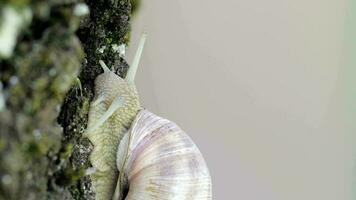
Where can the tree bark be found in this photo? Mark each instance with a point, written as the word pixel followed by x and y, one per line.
pixel 43 105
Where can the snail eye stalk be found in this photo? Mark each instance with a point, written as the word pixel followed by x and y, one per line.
pixel 104 66
pixel 131 73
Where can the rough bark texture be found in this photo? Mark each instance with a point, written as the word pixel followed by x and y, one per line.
pixel 42 153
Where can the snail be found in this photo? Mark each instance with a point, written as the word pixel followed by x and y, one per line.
pixel 138 155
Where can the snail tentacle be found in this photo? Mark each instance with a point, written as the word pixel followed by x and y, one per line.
pixel 131 73
pixel 116 104
pixel 103 65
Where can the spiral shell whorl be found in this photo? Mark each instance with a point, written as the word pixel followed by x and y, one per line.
pixel 160 161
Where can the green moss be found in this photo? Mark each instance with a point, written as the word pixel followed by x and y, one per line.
pixel 35 79
pixel 38 158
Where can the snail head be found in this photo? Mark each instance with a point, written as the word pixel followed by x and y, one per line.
pixel 118 94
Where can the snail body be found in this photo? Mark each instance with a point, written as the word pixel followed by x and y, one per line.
pixel 138 155
pixel 110 116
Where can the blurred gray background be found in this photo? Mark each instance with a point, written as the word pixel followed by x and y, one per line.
pixel 261 88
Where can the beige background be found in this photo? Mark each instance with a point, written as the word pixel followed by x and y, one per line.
pixel 257 85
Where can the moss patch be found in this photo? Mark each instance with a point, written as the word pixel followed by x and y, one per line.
pixel 45 89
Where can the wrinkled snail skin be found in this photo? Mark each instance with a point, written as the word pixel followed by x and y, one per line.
pixel 106 129
pixel 159 161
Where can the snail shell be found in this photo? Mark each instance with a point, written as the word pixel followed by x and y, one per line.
pixel 158 160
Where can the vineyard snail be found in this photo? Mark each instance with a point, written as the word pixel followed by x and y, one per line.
pixel 138 155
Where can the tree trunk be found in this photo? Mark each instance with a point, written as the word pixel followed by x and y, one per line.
pixel 43 105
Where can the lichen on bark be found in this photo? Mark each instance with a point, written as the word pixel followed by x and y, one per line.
pixel 45 105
